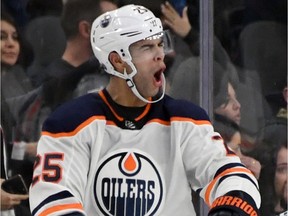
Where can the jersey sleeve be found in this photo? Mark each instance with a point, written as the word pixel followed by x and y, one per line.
pixel 213 170
pixel 61 168
pixel 59 175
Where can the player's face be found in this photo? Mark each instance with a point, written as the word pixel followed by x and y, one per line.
pixel 280 182
pixel 231 109
pixel 10 46
pixel 148 58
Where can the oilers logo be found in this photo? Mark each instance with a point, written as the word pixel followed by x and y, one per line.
pixel 128 184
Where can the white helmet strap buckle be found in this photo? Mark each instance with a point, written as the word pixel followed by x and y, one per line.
pixel 130 83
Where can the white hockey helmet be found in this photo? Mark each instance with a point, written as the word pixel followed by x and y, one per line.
pixel 117 30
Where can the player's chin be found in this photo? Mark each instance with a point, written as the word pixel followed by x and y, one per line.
pixel 157 93
pixel 151 94
pixel 157 90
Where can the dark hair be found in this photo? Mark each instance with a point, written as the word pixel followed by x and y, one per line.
pixel 220 84
pixel 26 55
pixel 269 141
pixel 5 16
pixel 75 11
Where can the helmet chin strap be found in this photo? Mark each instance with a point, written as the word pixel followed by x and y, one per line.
pixel 136 92
pixel 132 85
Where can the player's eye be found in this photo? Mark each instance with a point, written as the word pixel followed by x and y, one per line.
pixel 161 44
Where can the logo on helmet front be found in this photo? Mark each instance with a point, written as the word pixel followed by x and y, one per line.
pixel 141 10
pixel 105 21
pixel 128 183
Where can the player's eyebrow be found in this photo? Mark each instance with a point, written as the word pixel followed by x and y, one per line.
pixel 147 43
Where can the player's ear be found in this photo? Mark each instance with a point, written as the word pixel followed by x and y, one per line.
pixel 116 61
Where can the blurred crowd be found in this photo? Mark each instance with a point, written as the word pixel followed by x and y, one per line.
pixel 47 60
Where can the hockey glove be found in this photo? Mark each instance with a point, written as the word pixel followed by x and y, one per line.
pixel 234 203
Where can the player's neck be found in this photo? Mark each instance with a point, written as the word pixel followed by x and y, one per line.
pixel 122 94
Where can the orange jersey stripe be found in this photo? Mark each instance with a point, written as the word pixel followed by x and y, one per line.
pixel 72 133
pixel 107 103
pixel 159 121
pixel 91 119
pixel 119 117
pixel 111 123
pixel 144 113
pixel 198 122
pixel 61 207
pixel 213 182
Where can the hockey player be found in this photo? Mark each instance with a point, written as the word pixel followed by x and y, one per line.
pixel 130 149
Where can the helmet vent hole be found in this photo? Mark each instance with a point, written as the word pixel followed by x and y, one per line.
pixel 122 51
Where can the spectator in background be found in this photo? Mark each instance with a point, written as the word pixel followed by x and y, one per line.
pixel 14 81
pixel 186 25
pixel 64 74
pixel 10 203
pixel 225 98
pixel 76 21
pixel 271 151
pixel 41 30
pixel 231 135
pixel 227 106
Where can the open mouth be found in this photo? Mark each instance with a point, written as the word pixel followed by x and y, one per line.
pixel 157 76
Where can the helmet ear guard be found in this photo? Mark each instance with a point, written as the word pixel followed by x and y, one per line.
pixel 116 30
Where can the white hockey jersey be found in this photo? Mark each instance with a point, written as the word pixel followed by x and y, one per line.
pixel 96 160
